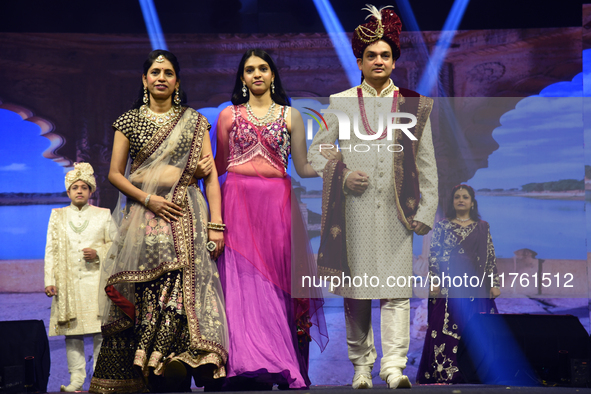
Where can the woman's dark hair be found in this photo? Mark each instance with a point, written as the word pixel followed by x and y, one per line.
pixel 148 63
pixel 451 211
pixel 280 97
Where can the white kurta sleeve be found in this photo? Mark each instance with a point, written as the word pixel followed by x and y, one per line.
pixel 428 180
pixel 317 161
pixel 104 249
pixel 49 250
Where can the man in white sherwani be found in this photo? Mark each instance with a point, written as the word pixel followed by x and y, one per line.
pixel 78 239
pixel 390 191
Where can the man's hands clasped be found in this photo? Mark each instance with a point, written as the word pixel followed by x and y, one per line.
pixel 357 183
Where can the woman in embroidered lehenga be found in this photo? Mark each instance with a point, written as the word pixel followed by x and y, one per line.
pixel 269 327
pixel 164 310
pixel 461 246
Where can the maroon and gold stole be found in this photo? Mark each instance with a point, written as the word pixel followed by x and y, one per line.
pixel 406 174
pixel 332 254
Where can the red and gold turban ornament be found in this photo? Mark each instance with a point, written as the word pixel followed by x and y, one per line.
pixel 383 24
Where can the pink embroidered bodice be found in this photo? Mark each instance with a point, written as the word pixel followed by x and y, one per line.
pixel 247 141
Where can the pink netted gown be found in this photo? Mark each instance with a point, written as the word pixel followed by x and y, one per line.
pixel 255 268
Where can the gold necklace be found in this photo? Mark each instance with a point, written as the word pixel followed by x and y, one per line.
pixel 160 119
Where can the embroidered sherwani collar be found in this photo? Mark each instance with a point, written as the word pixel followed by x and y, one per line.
pixel 75 208
pixel 384 93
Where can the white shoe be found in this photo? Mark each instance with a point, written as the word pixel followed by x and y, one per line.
pixel 362 380
pixel 398 382
pixel 76 382
pixel 70 388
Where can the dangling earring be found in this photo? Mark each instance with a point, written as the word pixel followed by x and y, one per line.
pixel 244 90
pixel 177 97
pixel 145 99
pixel 273 87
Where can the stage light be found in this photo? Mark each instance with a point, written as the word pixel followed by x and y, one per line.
pixel 410 21
pixel 408 16
pixel 339 39
pixel 153 24
pixel 431 73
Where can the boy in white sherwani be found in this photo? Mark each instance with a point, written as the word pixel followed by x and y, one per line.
pixel 78 239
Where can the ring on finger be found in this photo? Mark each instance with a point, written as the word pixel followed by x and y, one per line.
pixel 211 246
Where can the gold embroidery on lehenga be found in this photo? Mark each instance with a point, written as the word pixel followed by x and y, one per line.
pixel 444 369
pixel 166 283
pixel 184 230
pixel 108 386
pixel 445 325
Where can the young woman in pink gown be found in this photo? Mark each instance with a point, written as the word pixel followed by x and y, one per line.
pixel 269 328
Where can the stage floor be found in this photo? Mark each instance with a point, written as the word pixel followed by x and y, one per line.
pixel 428 389
pixel 338 375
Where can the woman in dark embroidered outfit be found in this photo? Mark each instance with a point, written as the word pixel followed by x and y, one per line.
pixel 164 309
pixel 461 245
pixel 269 327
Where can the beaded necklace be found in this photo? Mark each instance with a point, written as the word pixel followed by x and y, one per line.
pixel 368 129
pixel 255 120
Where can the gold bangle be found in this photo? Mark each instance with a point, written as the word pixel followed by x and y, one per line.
pixel 216 226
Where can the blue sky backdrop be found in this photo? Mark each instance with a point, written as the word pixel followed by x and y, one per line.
pixel 22 166
pixel 540 140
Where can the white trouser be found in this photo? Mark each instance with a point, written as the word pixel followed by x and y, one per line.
pixel 76 358
pixel 395 329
